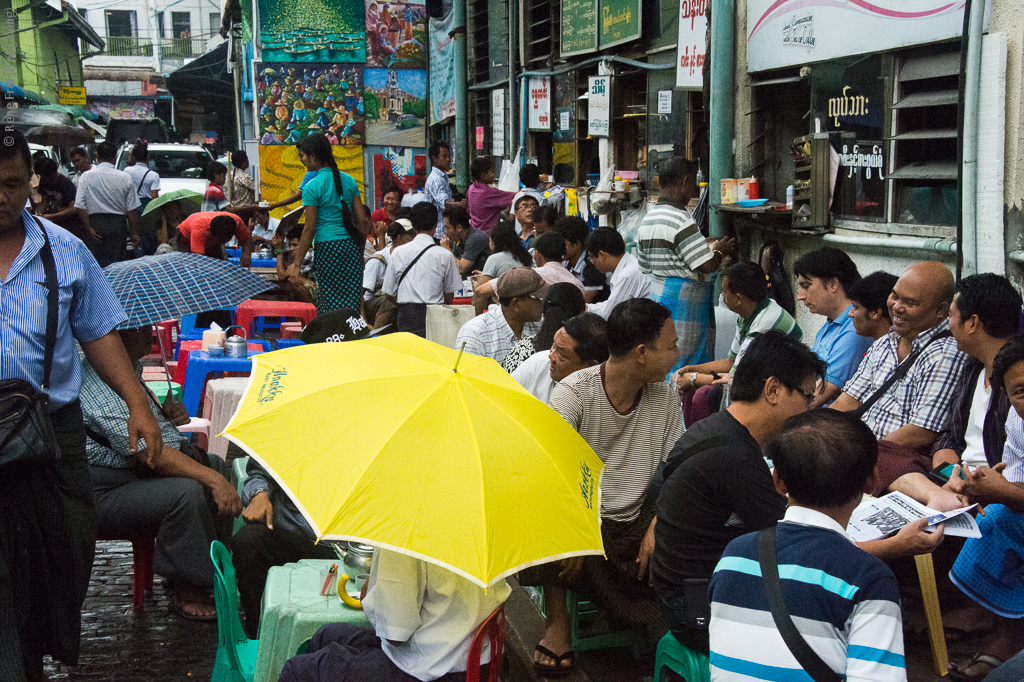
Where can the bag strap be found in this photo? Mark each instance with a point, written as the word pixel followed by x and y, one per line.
pixel 897 374
pixel 798 646
pixel 52 303
pixel 408 268
pixel 138 188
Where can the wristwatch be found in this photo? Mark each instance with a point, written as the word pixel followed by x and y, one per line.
pixel 693 378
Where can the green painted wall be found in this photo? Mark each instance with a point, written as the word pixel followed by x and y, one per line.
pixel 41 50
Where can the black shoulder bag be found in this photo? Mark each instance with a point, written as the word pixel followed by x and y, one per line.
pixel 798 646
pixel 897 374
pixel 27 438
pixel 408 268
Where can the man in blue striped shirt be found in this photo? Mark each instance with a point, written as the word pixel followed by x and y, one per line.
pixel 844 601
pixel 48 524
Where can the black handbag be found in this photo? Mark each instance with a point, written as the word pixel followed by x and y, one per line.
pixel 27 438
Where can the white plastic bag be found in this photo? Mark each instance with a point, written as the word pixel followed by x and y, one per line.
pixel 631 222
pixel 509 180
pixel 600 198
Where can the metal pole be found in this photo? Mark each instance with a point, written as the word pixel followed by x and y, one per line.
pixel 513 91
pixel 974 16
pixel 461 96
pixel 721 129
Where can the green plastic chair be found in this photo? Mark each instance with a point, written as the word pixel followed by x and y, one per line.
pixel 236 653
pixel 584 618
pixel 692 666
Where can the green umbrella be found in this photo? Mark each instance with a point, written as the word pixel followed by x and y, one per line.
pixel 177 194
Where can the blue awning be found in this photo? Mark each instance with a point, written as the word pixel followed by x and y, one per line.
pixel 16 91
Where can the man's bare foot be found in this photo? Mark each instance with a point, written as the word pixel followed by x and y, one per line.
pixel 193 602
pixel 967 623
pixel 558 641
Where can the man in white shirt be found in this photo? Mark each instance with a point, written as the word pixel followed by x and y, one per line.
pixel 107 205
pixel 607 252
pixel 492 335
pixel 424 620
pixel 418 274
pixel 581 342
pixel 378 310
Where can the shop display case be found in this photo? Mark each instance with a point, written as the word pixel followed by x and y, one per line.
pixel 811 181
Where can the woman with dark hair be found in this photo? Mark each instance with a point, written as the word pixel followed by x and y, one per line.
pixel 382 218
pixel 214 199
pixel 507 252
pixel 335 217
pixel 562 301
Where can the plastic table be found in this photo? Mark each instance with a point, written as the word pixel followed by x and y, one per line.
pixel 293 611
pixel 202 364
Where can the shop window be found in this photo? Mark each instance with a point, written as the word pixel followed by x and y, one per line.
pixel 214 22
pixel 121 23
pixel 780 108
pixel 479 58
pixel 537 34
pixel 923 140
pixel 629 118
pixel 481 120
pixel 160 24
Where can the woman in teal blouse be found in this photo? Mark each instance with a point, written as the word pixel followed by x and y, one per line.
pixel 336 217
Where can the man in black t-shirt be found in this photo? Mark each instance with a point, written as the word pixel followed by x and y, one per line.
pixel 470 246
pixel 717 484
pixel 595 283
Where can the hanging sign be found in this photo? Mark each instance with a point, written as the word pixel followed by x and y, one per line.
pixel 498 122
pixel 619 22
pixel 540 103
pixel 599 109
pixel 73 97
pixel 693 27
pixel 664 102
pixel 479 137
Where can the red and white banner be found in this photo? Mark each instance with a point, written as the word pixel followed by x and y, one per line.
pixel 693 26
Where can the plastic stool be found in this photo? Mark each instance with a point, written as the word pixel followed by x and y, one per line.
pixel 250 310
pixel 199 426
pixel 692 666
pixel 291 330
pixel 202 364
pixel 582 614
pixel 159 388
pixel 289 343
pixel 142 568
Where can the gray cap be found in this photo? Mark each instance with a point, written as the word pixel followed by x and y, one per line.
pixel 520 282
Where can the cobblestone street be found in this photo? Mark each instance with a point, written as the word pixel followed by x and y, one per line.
pixel 119 644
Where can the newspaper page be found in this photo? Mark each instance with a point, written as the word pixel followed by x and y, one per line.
pixel 879 518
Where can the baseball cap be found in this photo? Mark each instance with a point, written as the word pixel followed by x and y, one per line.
pixel 520 282
pixel 342 324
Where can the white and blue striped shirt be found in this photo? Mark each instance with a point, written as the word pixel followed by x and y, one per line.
pixel 88 310
pixel 844 602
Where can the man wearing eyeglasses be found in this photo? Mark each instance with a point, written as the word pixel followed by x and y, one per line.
pixel 492 335
pixel 717 483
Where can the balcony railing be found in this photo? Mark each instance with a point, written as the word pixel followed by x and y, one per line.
pixel 170 48
pixel 182 48
pixel 128 46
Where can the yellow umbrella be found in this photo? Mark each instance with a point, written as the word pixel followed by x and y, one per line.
pixel 382 441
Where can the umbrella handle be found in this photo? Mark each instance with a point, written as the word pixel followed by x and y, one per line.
pixel 345 598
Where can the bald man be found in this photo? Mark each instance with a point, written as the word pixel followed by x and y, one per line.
pixel 909 416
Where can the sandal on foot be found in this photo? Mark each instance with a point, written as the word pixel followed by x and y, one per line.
pixel 956 670
pixel 556 670
pixel 178 605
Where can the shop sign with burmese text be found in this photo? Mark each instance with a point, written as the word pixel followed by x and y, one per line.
pixel 693 27
pixel 618 22
pixel 784 33
pixel 599 109
pixel 578 27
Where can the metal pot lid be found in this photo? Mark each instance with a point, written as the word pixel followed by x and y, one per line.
pixel 361 548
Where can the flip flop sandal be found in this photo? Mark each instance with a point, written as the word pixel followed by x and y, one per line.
pixel 956 673
pixel 556 670
pixel 178 605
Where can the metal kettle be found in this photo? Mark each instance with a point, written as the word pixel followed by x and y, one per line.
pixel 236 346
pixel 357 557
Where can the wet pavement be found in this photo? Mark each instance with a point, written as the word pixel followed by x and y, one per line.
pixel 153 645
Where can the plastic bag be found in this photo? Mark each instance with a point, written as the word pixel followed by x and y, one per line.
pixel 509 180
pixel 600 198
pixel 631 222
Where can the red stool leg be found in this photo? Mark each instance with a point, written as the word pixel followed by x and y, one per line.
pixel 142 578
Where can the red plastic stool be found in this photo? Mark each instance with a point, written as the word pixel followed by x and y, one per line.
pixel 250 310
pixel 291 330
pixel 142 569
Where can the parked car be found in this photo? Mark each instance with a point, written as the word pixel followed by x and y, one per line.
pixel 180 166
pixel 406 121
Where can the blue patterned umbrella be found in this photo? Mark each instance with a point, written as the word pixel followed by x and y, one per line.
pixel 167 287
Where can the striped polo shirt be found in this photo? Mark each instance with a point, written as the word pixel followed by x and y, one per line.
pixel 671 245
pixel 631 445
pixel 844 602
pixel 767 316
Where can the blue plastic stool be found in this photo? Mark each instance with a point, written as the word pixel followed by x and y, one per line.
pixel 692 666
pixel 199 365
pixel 289 343
pixel 263 323
pixel 583 614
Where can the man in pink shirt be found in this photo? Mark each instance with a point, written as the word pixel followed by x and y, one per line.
pixel 486 204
